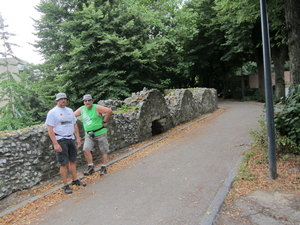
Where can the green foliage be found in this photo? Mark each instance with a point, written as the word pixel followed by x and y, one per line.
pixel 111 48
pixel 250 94
pixel 19 106
pixel 204 50
pixel 286 157
pixel 241 23
pixel 253 94
pixel 247 156
pixel 284 144
pixel 244 174
pixel 126 108
pixel 288 119
pixel 259 136
pixel 247 68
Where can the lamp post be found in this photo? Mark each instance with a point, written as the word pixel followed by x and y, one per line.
pixel 268 91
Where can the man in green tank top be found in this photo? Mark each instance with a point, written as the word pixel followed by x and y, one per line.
pixel 95 119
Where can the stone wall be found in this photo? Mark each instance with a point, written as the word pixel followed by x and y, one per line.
pixel 27 156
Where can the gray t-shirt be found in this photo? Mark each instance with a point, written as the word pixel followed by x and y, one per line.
pixel 63 120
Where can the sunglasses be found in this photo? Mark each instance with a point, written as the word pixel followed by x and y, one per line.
pixel 88 100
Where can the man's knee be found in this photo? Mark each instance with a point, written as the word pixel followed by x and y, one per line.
pixel 87 152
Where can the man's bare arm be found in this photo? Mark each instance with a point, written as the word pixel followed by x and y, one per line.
pixel 77 112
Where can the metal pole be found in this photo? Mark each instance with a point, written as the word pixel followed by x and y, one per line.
pixel 268 91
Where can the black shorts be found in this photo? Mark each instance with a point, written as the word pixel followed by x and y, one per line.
pixel 69 151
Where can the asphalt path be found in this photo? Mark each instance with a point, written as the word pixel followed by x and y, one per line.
pixel 183 181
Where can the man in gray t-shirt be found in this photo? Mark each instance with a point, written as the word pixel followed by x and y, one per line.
pixel 62 126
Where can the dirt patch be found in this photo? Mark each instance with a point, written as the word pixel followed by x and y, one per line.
pixel 255 198
pixel 261 207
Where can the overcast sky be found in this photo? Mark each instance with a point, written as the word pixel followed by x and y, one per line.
pixel 17 15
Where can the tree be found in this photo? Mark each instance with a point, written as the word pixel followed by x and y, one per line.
pixel 110 49
pixel 213 60
pixel 279 48
pixel 15 88
pixel 175 26
pixel 292 15
pixel 241 19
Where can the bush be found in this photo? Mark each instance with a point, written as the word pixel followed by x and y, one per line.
pixel 287 121
pixel 284 145
pixel 253 94
pixel 250 94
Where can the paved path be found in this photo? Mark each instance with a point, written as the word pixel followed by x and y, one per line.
pixel 183 181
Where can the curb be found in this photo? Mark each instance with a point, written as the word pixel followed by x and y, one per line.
pixel 216 204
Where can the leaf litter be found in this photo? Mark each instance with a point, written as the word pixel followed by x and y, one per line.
pixel 257 179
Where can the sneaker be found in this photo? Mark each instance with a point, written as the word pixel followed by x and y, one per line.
pixel 90 170
pixel 103 170
pixel 67 189
pixel 78 183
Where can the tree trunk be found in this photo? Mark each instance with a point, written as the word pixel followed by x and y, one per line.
pixel 292 16
pixel 279 56
pixel 260 70
pixel 226 87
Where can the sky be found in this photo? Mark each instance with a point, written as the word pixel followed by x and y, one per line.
pixel 17 15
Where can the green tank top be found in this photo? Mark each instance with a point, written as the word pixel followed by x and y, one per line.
pixel 91 120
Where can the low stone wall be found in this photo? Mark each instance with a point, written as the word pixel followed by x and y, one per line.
pixel 27 156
